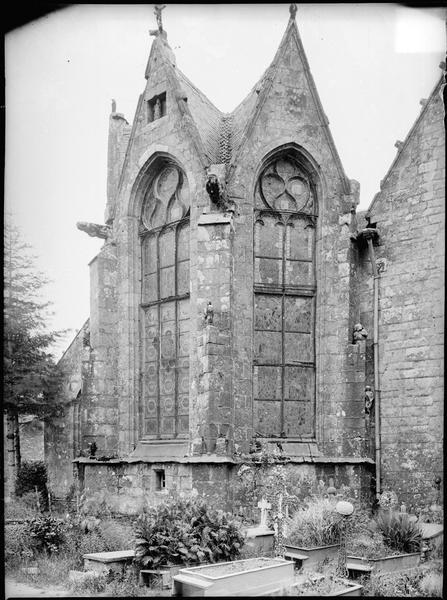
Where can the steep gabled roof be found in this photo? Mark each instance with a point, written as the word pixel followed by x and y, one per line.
pixel 207 117
pixel 220 137
pixel 413 131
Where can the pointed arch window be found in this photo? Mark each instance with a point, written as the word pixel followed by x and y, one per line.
pixel 165 305
pixel 284 301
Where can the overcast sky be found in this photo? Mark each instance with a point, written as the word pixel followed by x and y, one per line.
pixel 372 63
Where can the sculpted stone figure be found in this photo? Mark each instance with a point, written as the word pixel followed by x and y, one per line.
pixel 216 189
pixel 359 333
pixel 157 109
pixel 369 399
pixel 209 314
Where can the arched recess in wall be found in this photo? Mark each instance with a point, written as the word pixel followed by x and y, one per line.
pixel 284 365
pixel 164 315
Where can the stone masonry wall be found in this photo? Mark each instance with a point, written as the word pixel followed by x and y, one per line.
pixel 99 411
pixel 59 435
pixel 410 216
pixel 127 488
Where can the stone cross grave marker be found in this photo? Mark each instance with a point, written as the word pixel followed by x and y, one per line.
pixel 264 506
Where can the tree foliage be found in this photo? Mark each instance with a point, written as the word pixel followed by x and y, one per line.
pixel 32 380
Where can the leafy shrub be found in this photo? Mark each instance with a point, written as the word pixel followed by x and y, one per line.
pixel 32 475
pixel 369 545
pixel 185 531
pixel 399 533
pixel 314 525
pixel 46 533
pixel 17 545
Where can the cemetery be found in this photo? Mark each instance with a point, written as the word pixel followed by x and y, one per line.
pixel 325 543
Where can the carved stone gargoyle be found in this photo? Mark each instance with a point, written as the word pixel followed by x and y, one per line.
pixel 94 230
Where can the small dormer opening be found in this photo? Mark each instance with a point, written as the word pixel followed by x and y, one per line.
pixel 160 480
pixel 156 107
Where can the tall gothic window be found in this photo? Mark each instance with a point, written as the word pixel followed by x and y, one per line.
pixel 165 305
pixel 284 301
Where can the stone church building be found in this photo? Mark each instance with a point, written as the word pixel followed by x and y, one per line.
pixel 240 296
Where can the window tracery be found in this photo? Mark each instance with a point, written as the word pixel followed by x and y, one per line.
pixel 165 304
pixel 284 301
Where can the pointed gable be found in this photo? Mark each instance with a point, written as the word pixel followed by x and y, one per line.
pixel 286 93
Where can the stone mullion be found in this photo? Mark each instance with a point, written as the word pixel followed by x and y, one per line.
pixel 283 357
pixel 159 336
pixel 177 333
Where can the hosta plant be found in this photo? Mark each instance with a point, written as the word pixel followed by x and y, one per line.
pixel 185 531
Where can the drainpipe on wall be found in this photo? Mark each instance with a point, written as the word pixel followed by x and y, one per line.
pixel 371 235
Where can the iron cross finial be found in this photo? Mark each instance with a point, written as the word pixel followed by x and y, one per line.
pixel 157 12
pixel 292 10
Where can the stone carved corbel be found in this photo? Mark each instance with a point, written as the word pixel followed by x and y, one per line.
pixel 95 230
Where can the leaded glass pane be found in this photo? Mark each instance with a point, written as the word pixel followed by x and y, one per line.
pixel 150 254
pixel 298 347
pixel 269 235
pixel 267 417
pixel 299 383
pixel 268 312
pixel 150 287
pixel 268 271
pixel 268 347
pixel 166 244
pixel 298 419
pixel 299 240
pixel 167 426
pixel 183 379
pixel 298 313
pixel 167 405
pixel 299 273
pixel 267 383
pixel 167 282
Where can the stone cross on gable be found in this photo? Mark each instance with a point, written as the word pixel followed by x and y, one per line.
pixel 264 506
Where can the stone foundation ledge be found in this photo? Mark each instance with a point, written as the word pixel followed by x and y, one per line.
pixel 218 459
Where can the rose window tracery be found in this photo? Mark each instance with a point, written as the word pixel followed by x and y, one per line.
pixel 284 187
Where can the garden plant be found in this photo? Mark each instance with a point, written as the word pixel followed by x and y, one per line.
pixel 186 531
